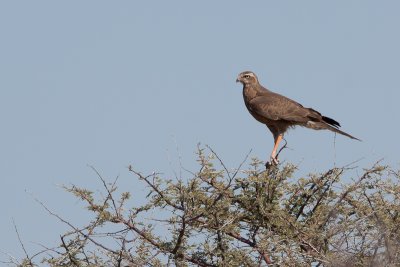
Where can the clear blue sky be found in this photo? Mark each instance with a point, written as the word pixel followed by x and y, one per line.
pixel 116 83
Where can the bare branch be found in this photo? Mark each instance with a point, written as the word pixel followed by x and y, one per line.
pixel 20 241
pixel 155 188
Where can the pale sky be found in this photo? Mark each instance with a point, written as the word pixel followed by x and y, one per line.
pixel 110 84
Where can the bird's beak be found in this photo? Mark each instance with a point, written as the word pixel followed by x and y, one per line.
pixel 237 79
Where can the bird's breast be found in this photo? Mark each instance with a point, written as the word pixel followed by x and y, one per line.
pixel 248 94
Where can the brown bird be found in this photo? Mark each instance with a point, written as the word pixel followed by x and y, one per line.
pixel 280 113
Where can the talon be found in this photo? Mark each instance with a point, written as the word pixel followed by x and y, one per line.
pixel 274 160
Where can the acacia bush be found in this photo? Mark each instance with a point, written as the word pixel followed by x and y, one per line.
pixel 236 217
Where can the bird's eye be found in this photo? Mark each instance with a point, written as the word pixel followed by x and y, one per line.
pixel 247 76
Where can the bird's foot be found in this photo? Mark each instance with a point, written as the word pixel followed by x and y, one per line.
pixel 273 161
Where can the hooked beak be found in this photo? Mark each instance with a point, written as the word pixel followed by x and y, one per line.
pixel 237 79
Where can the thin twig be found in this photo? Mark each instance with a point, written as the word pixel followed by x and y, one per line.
pixel 106 187
pixel 220 161
pixel 76 230
pixel 283 147
pixel 241 164
pixel 20 240
pixel 155 188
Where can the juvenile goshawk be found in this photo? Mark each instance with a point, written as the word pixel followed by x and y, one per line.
pixel 280 113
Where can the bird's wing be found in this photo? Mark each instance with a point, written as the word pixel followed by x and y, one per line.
pixel 277 107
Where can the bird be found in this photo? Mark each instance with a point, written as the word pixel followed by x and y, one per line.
pixel 280 113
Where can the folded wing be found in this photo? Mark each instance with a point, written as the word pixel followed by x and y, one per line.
pixel 277 107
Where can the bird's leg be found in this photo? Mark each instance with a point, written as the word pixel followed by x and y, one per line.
pixel 274 158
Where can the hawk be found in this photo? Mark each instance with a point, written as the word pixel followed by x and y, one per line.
pixel 280 113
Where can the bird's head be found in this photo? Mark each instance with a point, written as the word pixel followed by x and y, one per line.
pixel 247 78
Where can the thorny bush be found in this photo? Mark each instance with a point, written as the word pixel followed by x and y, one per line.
pixel 251 217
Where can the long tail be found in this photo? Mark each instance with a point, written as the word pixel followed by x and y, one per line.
pixel 333 125
pixel 336 130
pixel 333 129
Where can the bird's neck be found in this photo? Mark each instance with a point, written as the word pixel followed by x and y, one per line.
pixel 250 91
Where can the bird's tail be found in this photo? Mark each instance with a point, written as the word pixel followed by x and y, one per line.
pixel 328 124
pixel 336 130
